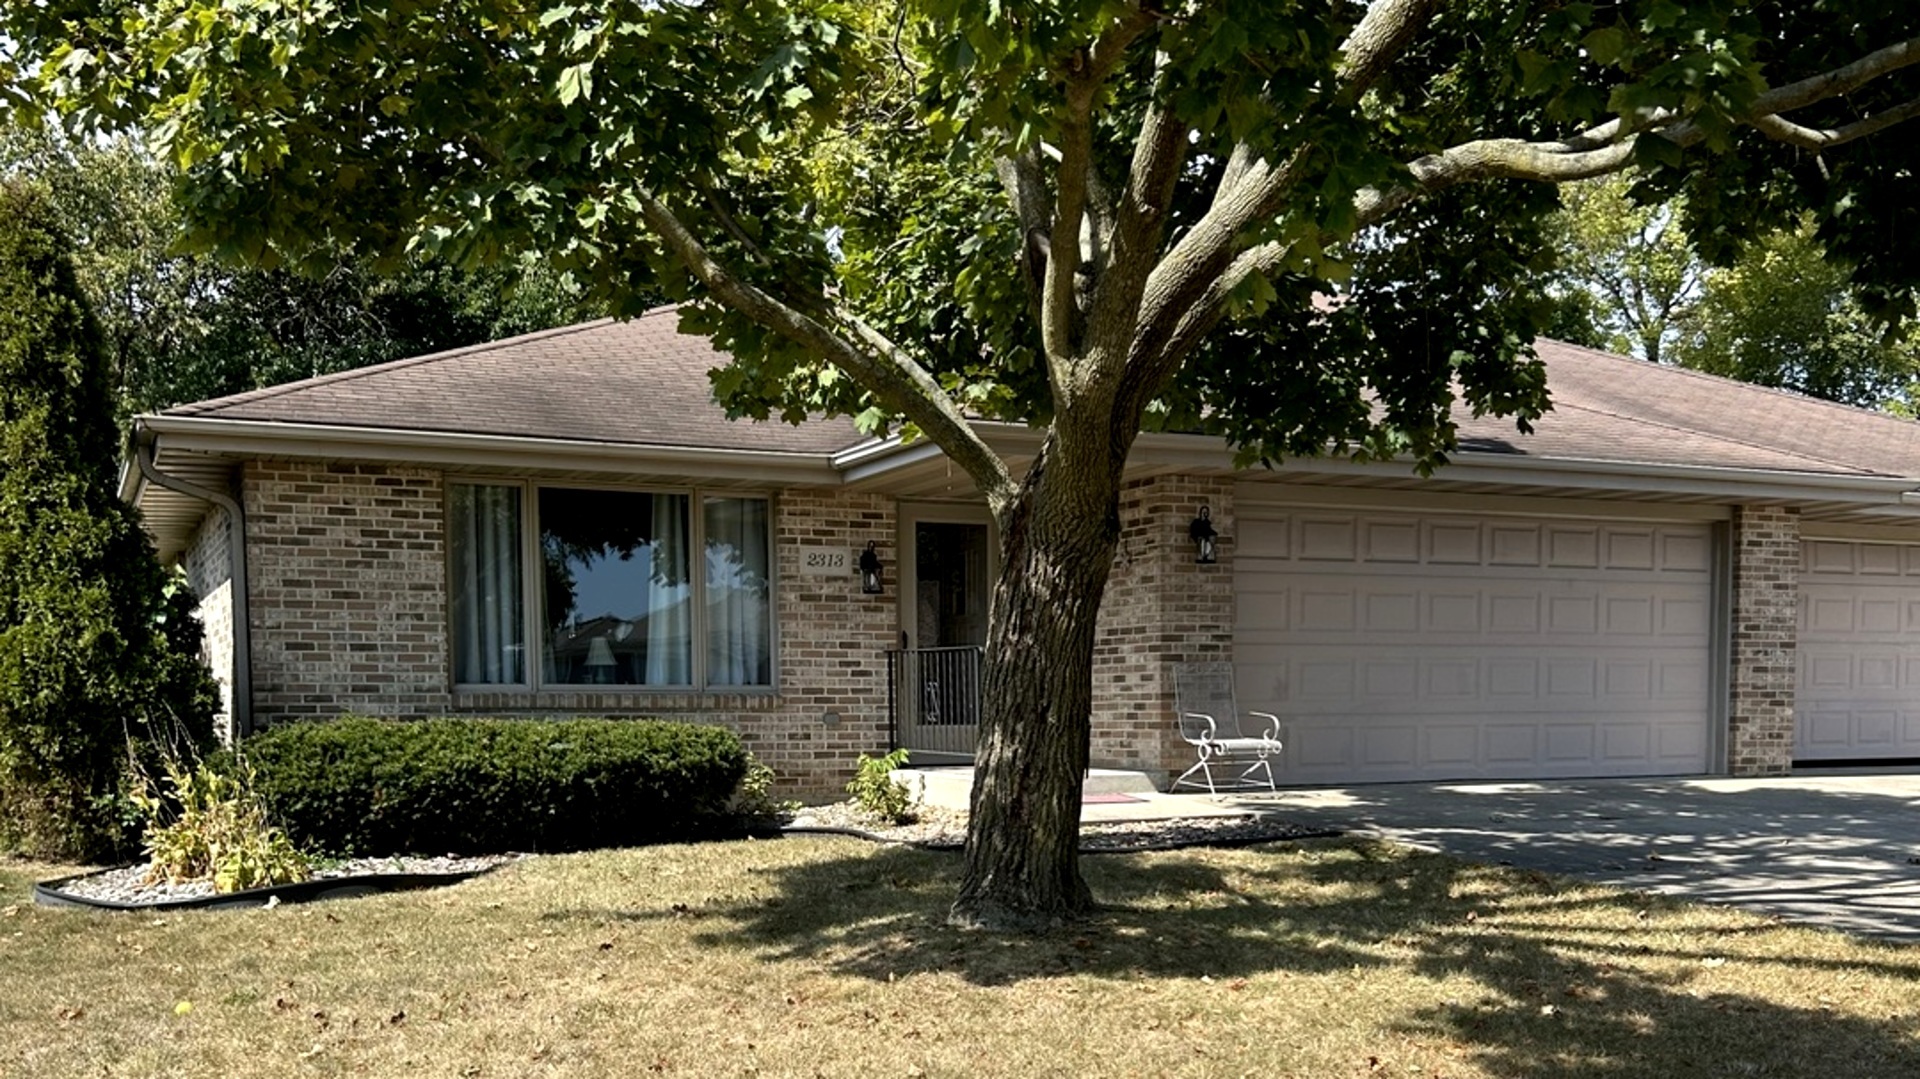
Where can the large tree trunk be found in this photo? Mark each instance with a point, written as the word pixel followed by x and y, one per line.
pixel 1023 833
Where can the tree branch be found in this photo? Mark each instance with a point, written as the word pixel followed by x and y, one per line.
pixel 1090 68
pixel 1251 190
pixel 1817 139
pixel 1058 313
pixel 1376 42
pixel 1844 79
pixel 1139 229
pixel 892 376
pixel 1027 195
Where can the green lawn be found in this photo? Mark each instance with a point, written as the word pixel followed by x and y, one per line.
pixel 829 957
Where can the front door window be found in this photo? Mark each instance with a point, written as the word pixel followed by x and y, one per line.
pixel 950 585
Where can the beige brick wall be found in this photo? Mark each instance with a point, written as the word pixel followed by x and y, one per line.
pixel 1765 623
pixel 1161 608
pixel 347 587
pixel 208 562
pixel 349 614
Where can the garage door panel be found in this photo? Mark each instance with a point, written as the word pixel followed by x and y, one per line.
pixel 1390 748
pixel 1879 560
pixel 1684 617
pixel 1391 612
pixel 1569 744
pixel 1443 645
pixel 1390 680
pixel 1685 552
pixel 1514 545
pixel 1629 549
pixel 1325 610
pixel 1325 540
pixel 1391 541
pixel 1678 741
pixel 1454 746
pixel 1453 544
pixel 1573 548
pixel 1629 679
pixel 1859 651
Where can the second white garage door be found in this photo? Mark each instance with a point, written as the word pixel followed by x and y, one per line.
pixel 1446 646
pixel 1858 696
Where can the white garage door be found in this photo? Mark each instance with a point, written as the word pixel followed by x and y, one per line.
pixel 1444 646
pixel 1858 695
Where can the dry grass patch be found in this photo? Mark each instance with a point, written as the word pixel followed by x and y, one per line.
pixel 829 956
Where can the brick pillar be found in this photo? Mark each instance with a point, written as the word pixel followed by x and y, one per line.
pixel 1161 608
pixel 1766 595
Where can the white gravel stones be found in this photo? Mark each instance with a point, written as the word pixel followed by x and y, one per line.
pixel 128 885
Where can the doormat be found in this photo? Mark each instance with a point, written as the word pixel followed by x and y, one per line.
pixel 1108 799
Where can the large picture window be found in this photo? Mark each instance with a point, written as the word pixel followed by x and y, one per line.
pixel 618 598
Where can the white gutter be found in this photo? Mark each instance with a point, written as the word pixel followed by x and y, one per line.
pixel 241 699
pixel 1159 449
pixel 264 438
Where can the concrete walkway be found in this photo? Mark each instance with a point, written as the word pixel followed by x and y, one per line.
pixel 1841 851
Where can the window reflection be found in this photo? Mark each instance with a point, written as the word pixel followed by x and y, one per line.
pixel 615 593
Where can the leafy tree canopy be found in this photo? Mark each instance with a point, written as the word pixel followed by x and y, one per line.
pixel 1301 225
pixel 183 327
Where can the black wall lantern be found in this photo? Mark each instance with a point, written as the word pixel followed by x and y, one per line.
pixel 870 570
pixel 1202 534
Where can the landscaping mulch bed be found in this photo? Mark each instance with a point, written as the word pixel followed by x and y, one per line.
pixel 127 887
pixel 946 829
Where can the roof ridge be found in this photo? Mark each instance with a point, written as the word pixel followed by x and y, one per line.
pixel 264 393
pixel 1723 380
pixel 1664 425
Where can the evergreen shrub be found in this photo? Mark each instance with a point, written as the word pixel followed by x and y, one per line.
pixel 374 787
pixel 88 661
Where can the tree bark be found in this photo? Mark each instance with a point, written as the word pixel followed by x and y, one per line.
pixel 1023 833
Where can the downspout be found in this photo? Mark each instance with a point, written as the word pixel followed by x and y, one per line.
pixel 242 698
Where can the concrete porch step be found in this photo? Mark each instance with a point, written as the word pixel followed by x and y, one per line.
pixel 952 788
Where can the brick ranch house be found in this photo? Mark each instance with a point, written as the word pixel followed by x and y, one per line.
pixel 1676 574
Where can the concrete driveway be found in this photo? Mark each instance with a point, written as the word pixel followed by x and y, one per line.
pixel 1841 851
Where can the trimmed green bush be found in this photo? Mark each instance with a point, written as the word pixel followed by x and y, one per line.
pixel 472 786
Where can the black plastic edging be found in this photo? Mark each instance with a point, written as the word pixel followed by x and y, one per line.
pixel 50 893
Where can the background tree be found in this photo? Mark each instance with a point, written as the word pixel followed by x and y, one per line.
pixel 90 656
pixel 1629 269
pixel 1785 315
pixel 1781 314
pixel 184 326
pixel 1093 215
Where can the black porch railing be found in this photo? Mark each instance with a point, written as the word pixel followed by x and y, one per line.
pixel 933 699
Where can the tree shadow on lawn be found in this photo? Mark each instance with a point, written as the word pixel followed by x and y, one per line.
pixel 1548 999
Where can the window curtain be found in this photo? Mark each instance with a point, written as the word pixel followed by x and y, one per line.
pixel 669 617
pixel 739 645
pixel 489 643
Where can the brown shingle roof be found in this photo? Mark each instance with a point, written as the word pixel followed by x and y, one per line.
pixel 1608 407
pixel 642 382
pixel 639 382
